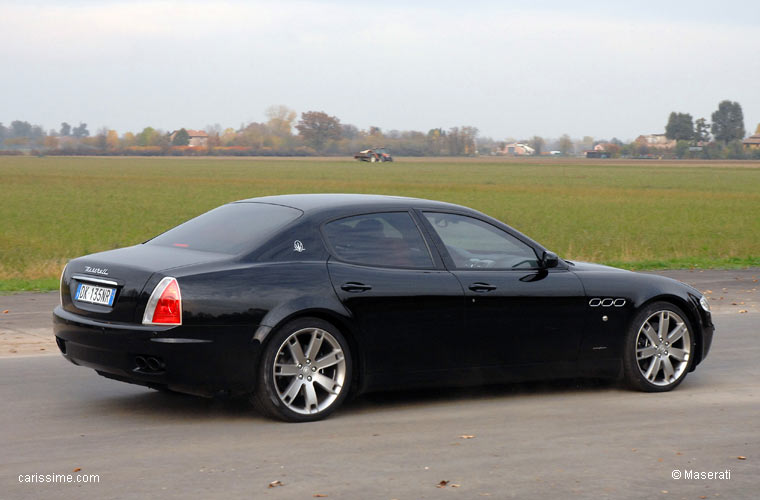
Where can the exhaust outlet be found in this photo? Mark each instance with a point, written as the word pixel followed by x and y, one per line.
pixel 61 344
pixel 149 364
pixel 154 364
pixel 141 363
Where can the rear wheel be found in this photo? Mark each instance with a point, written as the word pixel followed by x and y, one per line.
pixel 305 371
pixel 659 349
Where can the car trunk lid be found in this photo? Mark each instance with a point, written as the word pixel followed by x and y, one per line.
pixel 109 286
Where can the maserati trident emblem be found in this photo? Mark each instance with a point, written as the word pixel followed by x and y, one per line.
pixel 96 270
pixel 298 246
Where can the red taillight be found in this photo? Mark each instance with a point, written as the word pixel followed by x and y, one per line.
pixel 169 307
pixel 165 304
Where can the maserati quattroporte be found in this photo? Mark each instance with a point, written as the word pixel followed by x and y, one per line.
pixel 298 300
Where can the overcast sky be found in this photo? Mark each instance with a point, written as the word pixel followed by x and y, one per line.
pixel 510 69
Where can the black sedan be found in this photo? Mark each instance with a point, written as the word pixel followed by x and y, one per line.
pixel 298 300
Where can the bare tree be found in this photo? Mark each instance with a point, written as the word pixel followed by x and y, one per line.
pixel 281 120
pixel 566 146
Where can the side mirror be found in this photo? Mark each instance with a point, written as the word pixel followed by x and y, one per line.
pixel 549 260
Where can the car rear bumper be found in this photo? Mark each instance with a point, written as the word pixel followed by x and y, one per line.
pixel 193 359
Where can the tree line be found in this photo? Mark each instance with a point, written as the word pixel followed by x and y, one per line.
pixel 284 133
pixel 727 125
pixel 315 133
pixel 721 138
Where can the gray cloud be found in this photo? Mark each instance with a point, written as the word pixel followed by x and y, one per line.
pixel 511 72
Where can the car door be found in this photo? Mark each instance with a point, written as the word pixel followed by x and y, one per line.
pixel 409 311
pixel 517 312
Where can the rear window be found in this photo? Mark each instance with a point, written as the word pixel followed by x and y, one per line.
pixel 382 239
pixel 232 229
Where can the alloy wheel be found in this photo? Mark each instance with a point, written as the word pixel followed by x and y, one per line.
pixel 309 371
pixel 663 348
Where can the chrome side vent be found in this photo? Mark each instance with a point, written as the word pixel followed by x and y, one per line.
pixel 607 302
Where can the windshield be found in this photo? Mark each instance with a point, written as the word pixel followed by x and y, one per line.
pixel 232 229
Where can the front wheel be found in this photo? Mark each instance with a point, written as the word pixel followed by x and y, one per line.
pixel 305 371
pixel 659 348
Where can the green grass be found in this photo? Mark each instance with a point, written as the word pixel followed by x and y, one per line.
pixel 648 215
pixel 27 285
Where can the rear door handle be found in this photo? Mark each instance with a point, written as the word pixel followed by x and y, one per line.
pixel 482 287
pixel 354 287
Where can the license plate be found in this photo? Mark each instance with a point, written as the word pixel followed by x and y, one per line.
pixel 95 294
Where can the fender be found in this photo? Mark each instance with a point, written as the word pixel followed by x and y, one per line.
pixel 606 326
pixel 327 304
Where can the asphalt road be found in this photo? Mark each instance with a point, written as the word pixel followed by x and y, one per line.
pixel 558 440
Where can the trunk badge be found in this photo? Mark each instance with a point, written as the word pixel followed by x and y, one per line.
pixel 96 270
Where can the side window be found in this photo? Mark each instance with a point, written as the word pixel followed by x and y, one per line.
pixel 382 239
pixel 473 243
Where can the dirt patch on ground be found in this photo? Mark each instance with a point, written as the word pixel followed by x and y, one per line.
pixel 26 318
pixel 26 326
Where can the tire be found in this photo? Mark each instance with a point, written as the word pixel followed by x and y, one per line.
pixel 659 348
pixel 305 372
pixel 373 159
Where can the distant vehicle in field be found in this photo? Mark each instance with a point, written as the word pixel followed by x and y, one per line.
pixel 374 155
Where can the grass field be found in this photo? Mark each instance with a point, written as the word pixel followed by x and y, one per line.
pixel 634 215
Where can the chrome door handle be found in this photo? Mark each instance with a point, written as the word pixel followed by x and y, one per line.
pixel 355 287
pixel 482 287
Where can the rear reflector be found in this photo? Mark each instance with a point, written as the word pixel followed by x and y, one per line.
pixel 165 304
pixel 60 286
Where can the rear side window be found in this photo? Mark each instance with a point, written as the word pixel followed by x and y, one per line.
pixel 473 243
pixel 232 229
pixel 382 239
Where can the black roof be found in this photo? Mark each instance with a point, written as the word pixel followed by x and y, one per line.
pixel 342 204
pixel 327 201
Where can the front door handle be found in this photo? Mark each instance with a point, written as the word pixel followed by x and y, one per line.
pixel 354 287
pixel 482 287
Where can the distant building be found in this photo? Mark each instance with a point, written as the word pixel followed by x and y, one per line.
pixel 518 149
pixel 656 141
pixel 752 142
pixel 198 138
pixel 606 150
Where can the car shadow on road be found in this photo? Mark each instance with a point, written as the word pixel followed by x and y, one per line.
pixel 154 405
pixel 170 406
pixel 447 395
